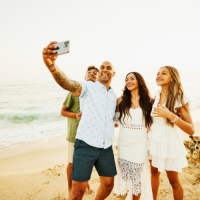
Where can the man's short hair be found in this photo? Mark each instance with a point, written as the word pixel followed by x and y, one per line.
pixel 92 67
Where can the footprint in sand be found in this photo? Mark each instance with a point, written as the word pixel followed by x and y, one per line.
pixel 45 183
pixel 54 171
pixel 59 197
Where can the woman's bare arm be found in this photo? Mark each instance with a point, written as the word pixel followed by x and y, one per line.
pixel 185 124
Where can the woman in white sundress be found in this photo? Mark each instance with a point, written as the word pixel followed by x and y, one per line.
pixel 133 116
pixel 165 142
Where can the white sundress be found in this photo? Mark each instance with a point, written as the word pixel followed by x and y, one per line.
pixel 133 172
pixel 165 143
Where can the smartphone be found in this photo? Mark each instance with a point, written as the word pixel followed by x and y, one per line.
pixel 63 47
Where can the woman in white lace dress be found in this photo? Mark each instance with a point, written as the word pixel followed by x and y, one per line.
pixel 133 115
pixel 165 142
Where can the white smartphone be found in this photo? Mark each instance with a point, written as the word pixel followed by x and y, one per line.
pixel 63 47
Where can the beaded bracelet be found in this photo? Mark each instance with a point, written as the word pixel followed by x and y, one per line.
pixel 176 118
pixel 51 67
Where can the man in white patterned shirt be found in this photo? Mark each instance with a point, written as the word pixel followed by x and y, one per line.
pixel 93 146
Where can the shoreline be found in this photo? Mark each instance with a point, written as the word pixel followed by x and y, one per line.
pixel 23 147
pixel 41 149
pixel 37 170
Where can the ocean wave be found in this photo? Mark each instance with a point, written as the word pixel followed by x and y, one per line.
pixel 29 117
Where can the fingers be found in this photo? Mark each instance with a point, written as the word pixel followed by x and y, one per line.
pixel 78 116
pixel 54 42
pixel 156 109
pixel 50 49
pixel 47 51
pixel 51 46
pixel 54 58
pixel 155 114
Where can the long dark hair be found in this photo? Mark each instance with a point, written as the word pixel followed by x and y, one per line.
pixel 145 101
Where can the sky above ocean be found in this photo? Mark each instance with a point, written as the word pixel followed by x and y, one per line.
pixel 134 35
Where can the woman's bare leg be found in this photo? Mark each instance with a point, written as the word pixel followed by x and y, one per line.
pixel 155 181
pixel 136 197
pixel 176 186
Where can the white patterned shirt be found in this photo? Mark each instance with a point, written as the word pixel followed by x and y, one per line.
pixel 98 106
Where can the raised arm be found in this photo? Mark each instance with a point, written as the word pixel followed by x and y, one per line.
pixel 63 80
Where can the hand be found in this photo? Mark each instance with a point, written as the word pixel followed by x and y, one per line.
pixel 178 114
pixel 79 115
pixel 48 59
pixel 161 111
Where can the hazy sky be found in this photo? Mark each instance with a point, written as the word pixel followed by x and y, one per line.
pixel 140 35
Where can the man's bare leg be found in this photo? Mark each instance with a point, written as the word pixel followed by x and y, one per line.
pixel 78 190
pixel 69 178
pixel 105 188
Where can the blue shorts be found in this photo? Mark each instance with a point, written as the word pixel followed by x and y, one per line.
pixel 86 156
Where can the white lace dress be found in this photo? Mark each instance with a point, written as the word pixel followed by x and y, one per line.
pixel 165 143
pixel 133 173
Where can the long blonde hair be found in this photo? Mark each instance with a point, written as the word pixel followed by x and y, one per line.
pixel 175 93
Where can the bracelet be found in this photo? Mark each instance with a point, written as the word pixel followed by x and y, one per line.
pixel 176 118
pixel 51 67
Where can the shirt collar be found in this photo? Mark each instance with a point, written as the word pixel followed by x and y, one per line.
pixel 103 86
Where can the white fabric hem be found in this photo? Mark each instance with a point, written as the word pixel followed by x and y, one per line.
pixel 122 187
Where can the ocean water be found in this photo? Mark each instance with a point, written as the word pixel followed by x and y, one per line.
pixel 31 111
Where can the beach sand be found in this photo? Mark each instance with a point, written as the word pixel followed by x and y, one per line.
pixel 37 171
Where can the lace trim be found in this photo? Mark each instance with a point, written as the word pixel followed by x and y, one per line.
pixel 134 126
pixel 132 178
pixel 133 171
